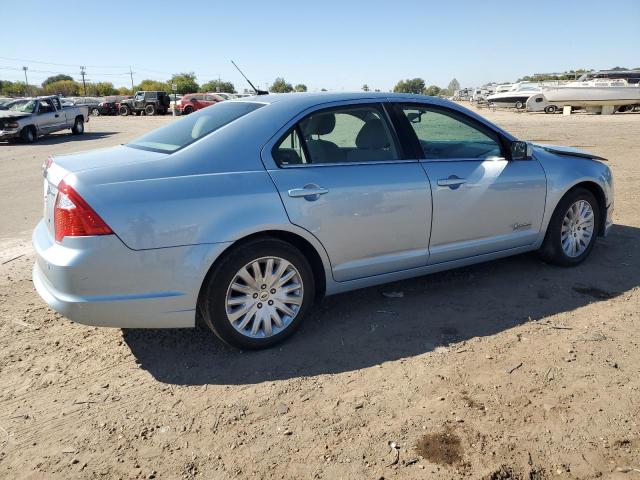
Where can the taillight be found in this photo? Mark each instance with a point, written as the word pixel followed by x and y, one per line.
pixel 73 217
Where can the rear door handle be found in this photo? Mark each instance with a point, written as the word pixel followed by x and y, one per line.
pixel 310 192
pixel 452 182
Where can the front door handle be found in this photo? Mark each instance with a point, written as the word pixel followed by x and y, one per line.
pixel 452 182
pixel 309 192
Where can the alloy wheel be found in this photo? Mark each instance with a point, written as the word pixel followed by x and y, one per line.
pixel 577 228
pixel 264 297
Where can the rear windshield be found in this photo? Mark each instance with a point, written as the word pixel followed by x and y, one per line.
pixel 187 130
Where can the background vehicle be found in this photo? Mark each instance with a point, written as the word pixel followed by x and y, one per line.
pixel 149 103
pixel 109 105
pixel 195 101
pixel 174 101
pixel 12 102
pixel 40 116
pixel 248 211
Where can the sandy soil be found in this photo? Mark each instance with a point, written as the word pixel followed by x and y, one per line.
pixel 508 370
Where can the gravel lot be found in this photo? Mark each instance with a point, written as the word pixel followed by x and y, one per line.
pixel 509 370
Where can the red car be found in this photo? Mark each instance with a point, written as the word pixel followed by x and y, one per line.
pixel 195 101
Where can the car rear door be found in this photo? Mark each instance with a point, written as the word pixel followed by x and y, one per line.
pixel 482 201
pixel 343 176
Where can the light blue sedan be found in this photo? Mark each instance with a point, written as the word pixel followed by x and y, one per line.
pixel 246 212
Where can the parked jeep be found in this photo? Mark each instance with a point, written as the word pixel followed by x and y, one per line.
pixel 150 103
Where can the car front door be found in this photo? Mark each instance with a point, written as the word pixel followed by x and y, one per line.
pixel 482 201
pixel 343 176
pixel 47 117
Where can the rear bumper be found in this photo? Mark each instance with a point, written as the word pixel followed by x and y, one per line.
pixel 99 281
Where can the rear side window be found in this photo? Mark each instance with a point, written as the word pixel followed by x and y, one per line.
pixel 352 134
pixel 187 130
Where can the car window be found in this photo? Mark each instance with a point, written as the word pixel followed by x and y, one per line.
pixel 289 151
pixel 357 133
pixel 443 136
pixel 46 106
pixel 187 130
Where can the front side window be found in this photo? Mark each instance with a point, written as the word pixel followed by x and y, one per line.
pixel 443 136
pixel 187 130
pixel 358 133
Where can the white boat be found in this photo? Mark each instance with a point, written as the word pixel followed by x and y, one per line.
pixel 516 97
pixel 596 93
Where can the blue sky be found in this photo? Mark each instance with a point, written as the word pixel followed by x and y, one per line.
pixel 338 45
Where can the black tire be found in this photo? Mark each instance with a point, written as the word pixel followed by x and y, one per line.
pixel 187 110
pixel 150 110
pixel 519 105
pixel 550 109
pixel 28 135
pixel 124 110
pixel 78 127
pixel 551 250
pixel 213 296
pixel 95 112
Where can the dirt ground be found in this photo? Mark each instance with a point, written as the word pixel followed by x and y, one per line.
pixel 509 370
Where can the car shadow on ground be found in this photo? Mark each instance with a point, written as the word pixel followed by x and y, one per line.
pixel 365 328
pixel 62 137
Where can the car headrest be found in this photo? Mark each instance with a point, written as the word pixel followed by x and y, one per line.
pixel 372 135
pixel 320 124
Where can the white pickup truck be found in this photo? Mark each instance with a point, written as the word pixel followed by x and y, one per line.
pixel 40 116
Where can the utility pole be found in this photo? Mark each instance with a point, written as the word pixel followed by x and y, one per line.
pixel 84 84
pixel 26 81
pixel 131 75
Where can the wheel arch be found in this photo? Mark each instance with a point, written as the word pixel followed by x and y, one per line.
pixel 317 260
pixel 598 192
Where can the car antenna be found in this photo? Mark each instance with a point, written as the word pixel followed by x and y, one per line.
pixel 258 92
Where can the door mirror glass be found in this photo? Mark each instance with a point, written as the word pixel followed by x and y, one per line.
pixel 521 150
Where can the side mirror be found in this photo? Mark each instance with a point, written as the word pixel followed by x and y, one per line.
pixel 521 150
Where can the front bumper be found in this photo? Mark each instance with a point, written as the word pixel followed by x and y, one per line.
pixel 8 134
pixel 99 281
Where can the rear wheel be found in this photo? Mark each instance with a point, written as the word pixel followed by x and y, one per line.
pixel 150 110
pixel 28 135
pixel 258 294
pixel 95 112
pixel 124 110
pixel 187 110
pixel 78 127
pixel 550 109
pixel 572 230
pixel 519 105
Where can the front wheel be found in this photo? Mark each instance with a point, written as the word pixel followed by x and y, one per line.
pixel 28 135
pixel 258 294
pixel 572 230
pixel 550 109
pixel 519 105
pixel 124 110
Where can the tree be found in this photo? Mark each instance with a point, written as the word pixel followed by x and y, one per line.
pixel 101 89
pixel 301 87
pixel 56 78
pixel 218 86
pixel 186 82
pixel 66 88
pixel 152 85
pixel 415 85
pixel 365 88
pixel 454 85
pixel 124 91
pixel 280 86
pixel 433 90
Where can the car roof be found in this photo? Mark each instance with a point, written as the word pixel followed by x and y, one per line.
pixel 300 101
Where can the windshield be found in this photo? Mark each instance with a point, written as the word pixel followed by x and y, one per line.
pixel 27 106
pixel 187 130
